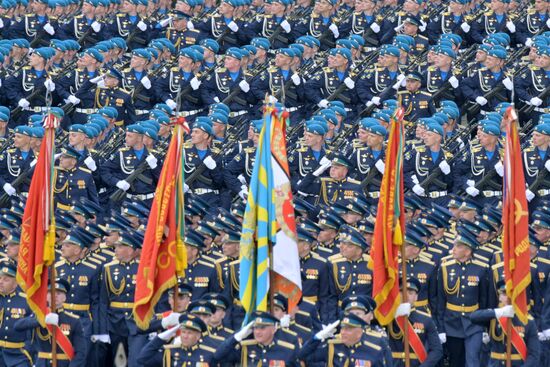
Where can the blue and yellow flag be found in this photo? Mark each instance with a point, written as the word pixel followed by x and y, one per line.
pixel 259 226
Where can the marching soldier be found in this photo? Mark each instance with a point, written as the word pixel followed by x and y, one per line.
pixel 416 103
pixel 224 27
pixel 494 20
pixel 536 164
pixel 268 25
pixel 135 80
pixel 532 23
pixel 365 22
pixel 443 75
pixel 36 27
pixel 17 161
pixel 179 33
pixel 130 25
pixel 322 24
pixel 533 84
pixel 84 27
pixel 199 274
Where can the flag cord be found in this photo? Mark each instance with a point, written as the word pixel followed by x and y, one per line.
pixel 404 300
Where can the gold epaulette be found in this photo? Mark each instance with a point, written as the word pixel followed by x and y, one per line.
pixel 318 257
pixel 71 315
pixel 187 145
pixel 372 345
pixel 425 93
pixel 175 68
pixel 336 258
pixel 423 313
pixel 249 342
pixel 334 341
pixel 480 263
pixel 448 260
pixel 90 265
pixel 206 263
pixel 285 344
pixel 84 169
pixel 207 348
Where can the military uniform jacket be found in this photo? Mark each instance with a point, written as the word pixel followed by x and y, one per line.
pixel 266 26
pixel 22 84
pixel 193 160
pixel 532 83
pixel 185 38
pixel 241 165
pixel 201 275
pixel 334 353
pixel 363 161
pixel 252 354
pixel 72 185
pixel 31 27
pixel 303 162
pixel 143 98
pixel 488 24
pixel 315 277
pixel 360 23
pixel 433 79
pixel 373 81
pixel 219 84
pixel 318 27
pixel 217 28
pixel 273 81
pixel 475 165
pixel 71 83
pixel 532 24
pixel 444 24
pixel 123 26
pixel 166 87
pixel 419 163
pixel 235 315
pixel 417 104
pixel 324 83
pixel 479 84
pixel 533 165
pixel 425 271
pixel 175 355
pixel 80 27
pixel 462 289
pixel 13 307
pixel 12 164
pixel 327 190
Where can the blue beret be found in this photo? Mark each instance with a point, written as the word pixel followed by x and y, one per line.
pixel 135 128
pixel 382 116
pixel 286 51
pixel 378 130
pixel 436 128
pixel 403 46
pixel 110 112
pixel 339 110
pixel 344 43
pixel 94 53
pixel 391 51
pixel 190 53
pixel 447 52
pixel 45 52
pixel 543 129
pixel 491 129
pixel 341 51
pixel 211 44
pixel 260 42
pixel 316 128
pixel 4 117
pixel 234 52
pixel 543 51
pixel 367 122
pixel 297 48
pixel 141 52
pixel 497 52
pixel 219 118
pixel 451 112
pixel 204 124
pixel 357 38
pixel 77 128
pixel 37 132
pixel 304 40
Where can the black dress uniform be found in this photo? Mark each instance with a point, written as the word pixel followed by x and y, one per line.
pixel 13 163
pixel 417 104
pixel 13 352
pixel 124 26
pixel 530 84
pixel 72 185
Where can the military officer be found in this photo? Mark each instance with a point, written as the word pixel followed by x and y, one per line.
pixel 16 161
pixel 533 82
pixel 216 323
pixel 495 19
pixel 417 103
pixel 200 274
pixel 329 223
pixel 180 34
pixel 224 27
pixel 411 25
pixel 130 25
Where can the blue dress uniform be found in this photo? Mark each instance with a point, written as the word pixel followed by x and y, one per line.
pixel 79 26
pixel 236 313
pixel 69 85
pixel 364 160
pixel 14 162
pixel 216 27
pixel 266 26
pixel 125 25
pixel 533 164
pixel 144 100
pixel 31 27
pixel 462 289
pixel 489 24
pixel 72 185
pixel 434 78
pixel 531 25
pixel 375 80
pixel 417 104
pixel 14 307
pixel 444 23
pixel 482 82
pixel 200 274
pixel 530 84
pixel 360 24
pixel 425 271
pixel 304 160
pixel 241 165
pixel 181 39
pixel 318 27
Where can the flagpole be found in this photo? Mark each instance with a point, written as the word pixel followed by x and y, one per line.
pixel 508 342
pixel 404 300
pixel 53 306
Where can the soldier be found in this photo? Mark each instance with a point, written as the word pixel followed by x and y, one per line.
pixel 200 274
pixel 411 26
pixel 443 75
pixel 216 323
pixel 268 25
pixel 84 27
pixel 36 27
pixel 453 20
pixel 135 80
pixel 17 161
pixel 365 22
pixel 417 103
pixel 179 33
pixel 534 21
pixel 130 25
pixel 323 24
pixel 533 82
pixel 494 20
pixel 224 26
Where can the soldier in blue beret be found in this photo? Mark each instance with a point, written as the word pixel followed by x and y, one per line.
pixel 37 23
pixel 16 160
pixel 85 27
pixel 274 25
pixel 496 19
pixel 130 21
pixel 530 84
pixel 224 27
pixel 536 159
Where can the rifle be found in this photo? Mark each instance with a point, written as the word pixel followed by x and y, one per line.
pixel 527 108
pixel 5 199
pixel 370 176
pixel 541 177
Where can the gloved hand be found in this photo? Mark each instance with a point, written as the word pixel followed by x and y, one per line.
pixel 163 23
pixel 322 168
pixel 442 338
pixel 190 25
pixel 272 99
pixel 547 165
pixel 296 79
pixel 499 168
pixel 49 29
pixel 90 163
pixel 546 334
pixel 535 101
pixel 9 189
pixel 152 161
pixel 472 191
pixel 349 83
pixel 530 195
pixel 195 83
pixel 185 188
pixel 324 161
pixel 142 26
pixel 74 100
pixel 23 103
pixel 528 42
pixel 400 78
pixel 245 87
pixel 541 336
pixel 123 185
pixel 508 83
pixel 454 82
pixel 170 320
pixel 511 27
pixel 470 183
pixel 50 85
pixel 465 27
pixel 485 338
pixel 285 321
pixel 327 332
pixel 96 26
pixel 1 23
pixel 233 26
pixel 482 101
pixel 334 29
pixel 376 100
pixel 210 163
pixel 422 26
pixel 380 166
pixel 419 190
pixel 33 162
pixel 146 82
pixel 242 180
pixel 52 319
pixel 243 194
pixel 506 311
pixel 445 168
pixel 171 104
pixel 169 334
pixel 403 309
pixel 244 332
pixel 323 103
pixel 375 27
pixel 97 79
pixel 103 338
pixel 285 25
pixel 399 28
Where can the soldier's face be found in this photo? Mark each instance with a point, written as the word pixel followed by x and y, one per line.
pixel 542 62
pixel 322 6
pixel 497 6
pixel 70 251
pixel 124 253
pixel 282 61
pixel 67 162
pixel 225 8
pixel 189 337
pixel 198 136
pixel 412 296
pixel 133 138
pixel 12 250
pixel 277 8
pixel 304 248
pixel 468 215
pixel 349 251
pixel 492 62
pixel 7 284
pixel 540 139
pixel 411 252
pixel 487 139
pixel 456 7
pixel 411 6
pixel 413 85
pixel 60 298
pixel 217 317
pixel 461 252
pixel 232 63
pixel 278 312
pixel 541 5
pixel 338 172
pixel 182 302
pixel 230 249
pixel 481 56
pixel 20 140
pixel 311 139
pixel 264 334
pixel 326 235
pixel 431 139
pixel 137 62
pixel 76 138
pixel 374 141
pixel 542 234
pixel 410 29
pixel 351 335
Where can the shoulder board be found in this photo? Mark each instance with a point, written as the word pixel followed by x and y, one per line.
pixel 401 13
pixel 288 331
pixel 250 149
pixel 70 314
pixel 326 68
pixel 302 327
pixel 352 180
pixel 124 149
pixel 193 30
pixel 529 149
pixel 127 70
pixel 426 260
pixel 531 10
pixel 302 149
pixel 12 150
pixel 22 294
pixel 235 262
pixel 114 262
pixel 316 256
pixel 84 169
pixel 59 263
pixel 207 348
pixel 366 257
pixel 543 260
pixel 220 260
pixel 95 260
pixel 425 93
pixel 448 154
pixel 221 70
pixel 432 68
pixel 120 15
pixel 424 313
pixel 249 342
pixel 420 148
pixel 489 12
pixel 372 345
pixel 217 337
pixel 480 263
pixel 446 261
pixel 230 331
pixel 187 145
pixel 285 344
pixel 374 333
pixel 175 68
pixel 403 92
pixel 215 150
pixel 90 265
pixel 334 341
pixel 336 258
pixel 422 37
pixel 26 68
pixel 206 263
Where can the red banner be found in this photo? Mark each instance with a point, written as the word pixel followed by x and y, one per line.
pixel 517 340
pixel 414 339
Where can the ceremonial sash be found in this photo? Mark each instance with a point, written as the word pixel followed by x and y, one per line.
pixel 414 339
pixel 63 341
pixel 517 340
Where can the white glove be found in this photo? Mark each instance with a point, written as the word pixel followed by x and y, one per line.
pixel 541 336
pixel 511 27
pixel 285 321
pixel 185 188
pixel 171 104
pixel 327 331
pixel 546 334
pixel 398 83
pixel 23 103
pixel 33 162
pixel 419 190
pixel 482 101
pixel 96 26
pixel 375 100
pixel 499 168
pixel 244 332
pixel 535 101
pixel 334 29
pixel 506 311
pixel 442 338
pixel 399 28
pixel 272 99
pixel 530 195
pixel 152 161
pixel 97 79
pixel 50 85
pixel 322 168
pixel 445 168
pixel 216 99
pixel 146 82
pixel 52 319
pixel 233 26
pixel 74 100
pixel 1 23
pixel 142 26
pixel 485 338
pixel 123 185
pixel 245 87
pixel 210 163
pixel 528 42
pixel 190 25
pixel 9 189
pixel 470 183
pixel 323 103
pixel 403 309
pixel 508 83
pixel 170 320
pixel 465 27
pixel 349 83
pixel 90 163
pixel 163 23
pixel 104 338
pixel 454 82
pixel 285 25
pixel 296 79
pixel 325 161
pixel 547 165
pixel 243 194
pixel 242 180
pixel 49 29
pixel 169 334
pixel 380 166
pixel 195 83
pixel 548 23
pixel 375 27
pixel 472 191
pixel 422 26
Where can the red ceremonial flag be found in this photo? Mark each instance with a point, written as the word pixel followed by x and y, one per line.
pixel 389 228
pixel 515 221
pixel 163 253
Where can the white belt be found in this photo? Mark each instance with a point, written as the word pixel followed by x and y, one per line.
pixel 490 194
pixel 102 190
pixel 292 109
pixel 348 109
pixel 141 112
pixel 543 110
pixel 86 110
pixel 374 194
pixel 483 113
pixel 189 113
pixel 141 196
pixel 437 194
pixel 36 109
pixel 543 192
pixel 204 191
pixel 237 113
